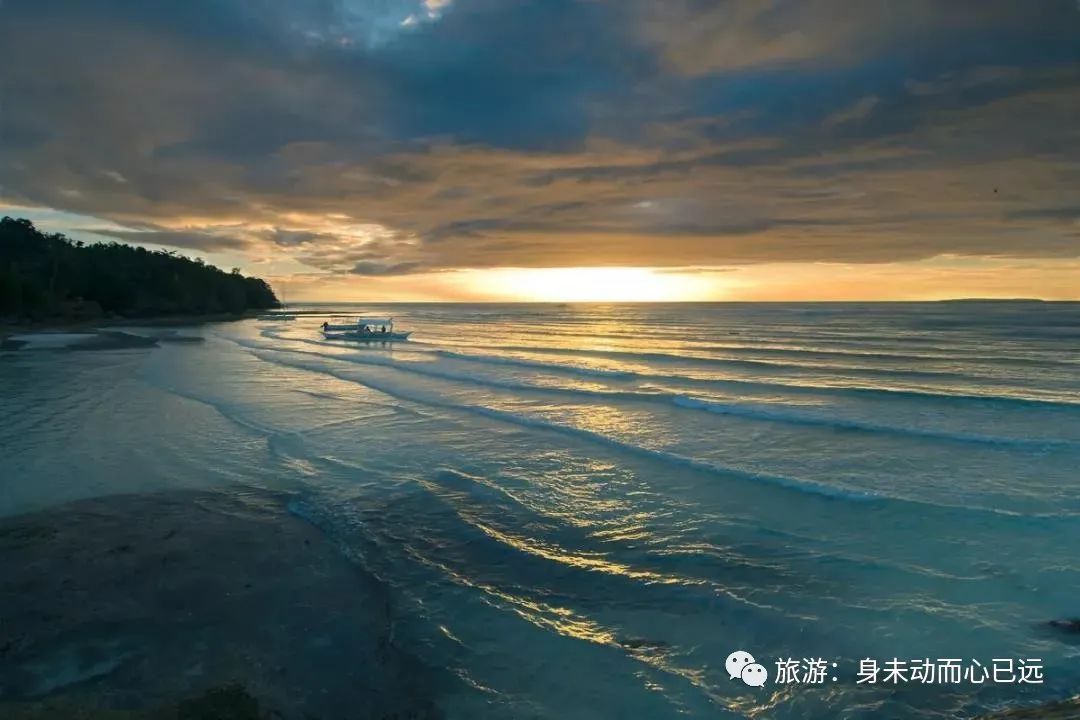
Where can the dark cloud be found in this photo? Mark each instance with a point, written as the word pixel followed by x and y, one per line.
pixel 367 267
pixel 710 36
pixel 398 136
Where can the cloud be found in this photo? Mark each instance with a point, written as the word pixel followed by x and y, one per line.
pixel 697 37
pixel 190 240
pixel 375 268
pixel 859 110
pixel 975 77
pixel 550 132
pixel 1069 213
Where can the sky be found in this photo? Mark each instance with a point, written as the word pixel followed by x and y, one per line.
pixel 471 150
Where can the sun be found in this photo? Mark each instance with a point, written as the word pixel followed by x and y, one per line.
pixel 598 284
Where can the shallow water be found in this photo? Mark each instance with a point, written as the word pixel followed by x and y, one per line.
pixel 582 510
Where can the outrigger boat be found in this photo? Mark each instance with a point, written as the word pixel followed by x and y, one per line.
pixel 368 329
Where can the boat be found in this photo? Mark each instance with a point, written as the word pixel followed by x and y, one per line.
pixel 365 329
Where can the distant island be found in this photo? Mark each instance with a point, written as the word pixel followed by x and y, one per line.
pixel 993 300
pixel 47 276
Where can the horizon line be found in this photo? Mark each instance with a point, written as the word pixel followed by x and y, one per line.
pixel 679 302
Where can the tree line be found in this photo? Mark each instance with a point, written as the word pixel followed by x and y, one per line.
pixel 47 274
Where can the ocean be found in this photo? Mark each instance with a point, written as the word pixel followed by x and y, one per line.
pixel 581 511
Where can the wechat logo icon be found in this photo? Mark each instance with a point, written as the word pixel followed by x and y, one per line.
pixel 742 666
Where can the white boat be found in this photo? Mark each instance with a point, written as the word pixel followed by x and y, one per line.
pixel 365 329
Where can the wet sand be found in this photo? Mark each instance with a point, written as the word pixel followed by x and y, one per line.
pixel 107 333
pixel 192 605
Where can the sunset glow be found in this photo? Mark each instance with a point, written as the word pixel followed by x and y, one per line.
pixel 597 285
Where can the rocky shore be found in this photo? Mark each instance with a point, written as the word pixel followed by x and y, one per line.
pixel 1064 710
pixel 194 605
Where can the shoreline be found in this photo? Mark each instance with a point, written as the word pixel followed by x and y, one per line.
pixel 17 326
pixel 106 333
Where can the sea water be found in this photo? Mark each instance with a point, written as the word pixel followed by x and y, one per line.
pixel 583 510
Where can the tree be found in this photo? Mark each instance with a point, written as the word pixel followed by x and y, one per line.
pixel 44 274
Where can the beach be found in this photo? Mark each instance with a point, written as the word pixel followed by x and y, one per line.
pixel 102 333
pixel 545 511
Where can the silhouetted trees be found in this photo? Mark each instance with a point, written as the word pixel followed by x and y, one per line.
pixel 44 274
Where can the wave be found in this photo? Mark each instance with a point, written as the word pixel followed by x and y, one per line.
pixel 750 412
pixel 778 351
pixel 796 484
pixel 840 342
pixel 856 390
pixel 731 382
pixel 546 549
pixel 758 413
pixel 947 354
pixel 539 365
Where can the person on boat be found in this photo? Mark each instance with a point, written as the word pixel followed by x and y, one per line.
pixel 383 331
pixel 325 325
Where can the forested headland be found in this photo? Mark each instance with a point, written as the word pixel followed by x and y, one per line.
pixel 47 275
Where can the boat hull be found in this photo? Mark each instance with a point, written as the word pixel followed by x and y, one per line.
pixel 368 337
